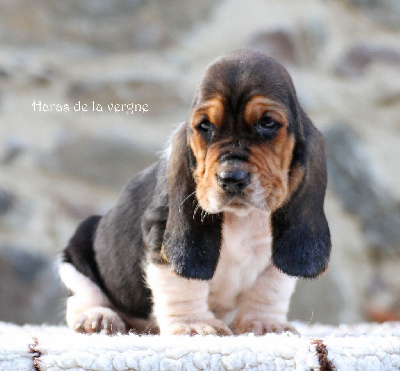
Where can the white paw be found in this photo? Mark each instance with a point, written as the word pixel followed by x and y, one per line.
pixel 99 320
pixel 261 327
pixel 207 327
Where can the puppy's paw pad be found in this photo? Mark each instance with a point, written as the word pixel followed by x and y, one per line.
pixel 99 320
pixel 261 327
pixel 214 327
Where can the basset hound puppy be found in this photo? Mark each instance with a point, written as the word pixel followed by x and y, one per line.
pixel 211 238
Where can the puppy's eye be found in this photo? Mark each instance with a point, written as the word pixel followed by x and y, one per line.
pixel 205 126
pixel 267 123
pixel 266 127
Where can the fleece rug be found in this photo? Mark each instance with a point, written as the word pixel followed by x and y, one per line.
pixel 346 347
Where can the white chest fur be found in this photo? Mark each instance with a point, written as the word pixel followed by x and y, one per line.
pixel 245 253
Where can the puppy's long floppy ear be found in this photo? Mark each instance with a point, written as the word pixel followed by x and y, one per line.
pixel 301 238
pixel 191 243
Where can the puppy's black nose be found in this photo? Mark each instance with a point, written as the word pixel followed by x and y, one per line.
pixel 233 181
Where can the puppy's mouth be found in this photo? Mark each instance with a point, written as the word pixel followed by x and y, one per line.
pixel 235 202
pixel 216 201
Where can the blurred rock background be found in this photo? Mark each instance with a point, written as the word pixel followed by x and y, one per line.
pixel 56 168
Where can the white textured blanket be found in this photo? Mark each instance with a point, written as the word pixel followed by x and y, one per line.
pixel 358 347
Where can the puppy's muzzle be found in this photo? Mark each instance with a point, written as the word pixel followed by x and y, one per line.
pixel 233 182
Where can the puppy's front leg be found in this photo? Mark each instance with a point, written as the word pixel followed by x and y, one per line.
pixel 263 308
pixel 180 305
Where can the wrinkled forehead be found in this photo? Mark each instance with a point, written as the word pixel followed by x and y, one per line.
pixel 238 76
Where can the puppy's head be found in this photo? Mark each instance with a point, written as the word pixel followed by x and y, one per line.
pixel 243 127
pixel 250 145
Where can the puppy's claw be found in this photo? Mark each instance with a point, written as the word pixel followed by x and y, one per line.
pixel 79 326
pixel 107 326
pixel 97 323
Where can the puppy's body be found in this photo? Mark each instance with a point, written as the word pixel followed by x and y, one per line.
pixel 209 236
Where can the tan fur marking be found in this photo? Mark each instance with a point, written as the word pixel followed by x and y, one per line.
pixel 258 105
pixel 205 176
pixel 213 109
pixel 272 164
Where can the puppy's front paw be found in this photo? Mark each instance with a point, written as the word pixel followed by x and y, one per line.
pixel 260 327
pixel 99 320
pixel 208 327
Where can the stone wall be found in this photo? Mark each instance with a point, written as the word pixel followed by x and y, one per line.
pixel 58 166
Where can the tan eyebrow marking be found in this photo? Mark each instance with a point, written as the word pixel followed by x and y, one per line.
pixel 212 108
pixel 258 105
